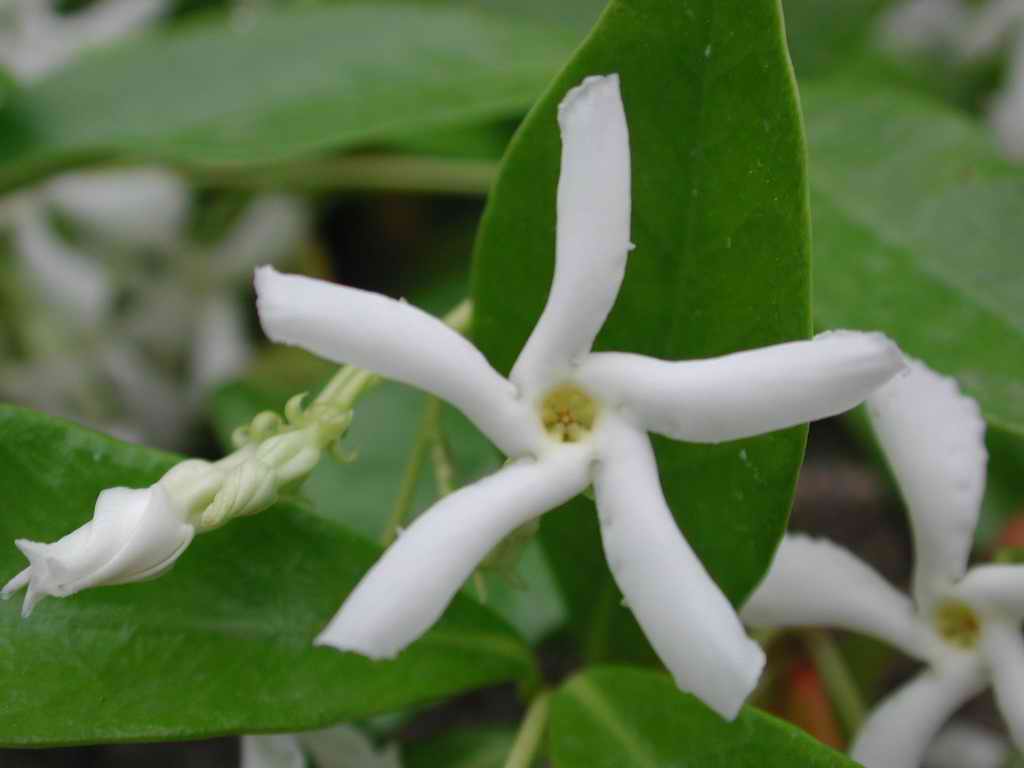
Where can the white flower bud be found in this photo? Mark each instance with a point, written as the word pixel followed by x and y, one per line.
pixel 134 535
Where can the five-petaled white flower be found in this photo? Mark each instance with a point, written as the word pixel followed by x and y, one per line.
pixel 568 418
pixel 964 624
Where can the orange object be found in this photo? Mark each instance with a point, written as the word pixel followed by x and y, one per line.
pixel 807 705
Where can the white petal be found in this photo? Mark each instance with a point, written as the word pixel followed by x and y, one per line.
pixel 109 20
pixel 410 586
pixel 69 278
pixel 684 614
pixel 994 588
pixel 934 440
pixel 142 207
pixel 397 341
pixel 813 582
pixel 1007 111
pixel 745 393
pixel 269 230
pixel 345 746
pixel 221 347
pixel 964 745
pixel 898 731
pixel 272 751
pixel 592 233
pixel 1003 646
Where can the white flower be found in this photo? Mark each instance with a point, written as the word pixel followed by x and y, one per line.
pixel 134 535
pixel 567 418
pixel 35 39
pixel 965 625
pixel 342 746
pixel 964 745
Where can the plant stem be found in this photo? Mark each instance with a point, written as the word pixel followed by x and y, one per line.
pixel 407 487
pixel 528 739
pixel 839 683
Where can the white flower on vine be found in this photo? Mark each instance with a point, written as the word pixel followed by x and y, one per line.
pixel 964 624
pixel 343 746
pixel 568 418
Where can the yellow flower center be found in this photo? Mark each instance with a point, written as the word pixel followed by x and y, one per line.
pixel 957 624
pixel 568 413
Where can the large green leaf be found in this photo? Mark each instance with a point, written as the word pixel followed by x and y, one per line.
pixel 222 643
pixel 283 84
pixel 611 718
pixel 918 233
pixel 720 223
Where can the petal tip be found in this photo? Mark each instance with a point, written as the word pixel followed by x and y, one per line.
pixel 594 92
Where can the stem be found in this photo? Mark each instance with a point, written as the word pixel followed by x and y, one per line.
pixel 839 683
pixel 528 739
pixel 407 488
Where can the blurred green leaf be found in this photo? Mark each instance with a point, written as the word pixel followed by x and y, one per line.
pixel 221 644
pixel 721 226
pixel 228 93
pixel 918 233
pixel 825 35
pixel 610 718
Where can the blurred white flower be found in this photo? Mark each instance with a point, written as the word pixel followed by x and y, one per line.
pixel 964 745
pixel 342 746
pixel 35 39
pixel 965 625
pixel 567 418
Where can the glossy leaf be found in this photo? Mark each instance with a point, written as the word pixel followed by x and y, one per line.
pixel 721 264
pixel 221 94
pixel 608 718
pixel 917 233
pixel 222 643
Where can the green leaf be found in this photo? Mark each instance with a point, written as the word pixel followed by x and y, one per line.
pixel 360 496
pixel 221 644
pixel 610 718
pixel 220 94
pixel 825 35
pixel 480 747
pixel 720 223
pixel 917 233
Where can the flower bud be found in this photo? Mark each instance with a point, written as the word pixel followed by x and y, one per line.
pixel 134 535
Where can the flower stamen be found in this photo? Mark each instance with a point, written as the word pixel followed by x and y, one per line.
pixel 568 413
pixel 957 624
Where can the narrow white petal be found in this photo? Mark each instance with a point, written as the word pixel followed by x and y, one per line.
pixel 684 614
pixel 995 588
pixel 410 586
pixel 745 393
pixel 898 732
pixel 592 233
pixel 397 341
pixel 345 746
pixel 1003 647
pixel 269 230
pixel 813 582
pixel 69 278
pixel 271 751
pixel 141 207
pixel 221 347
pixel 934 440
pixel 110 20
pixel 965 745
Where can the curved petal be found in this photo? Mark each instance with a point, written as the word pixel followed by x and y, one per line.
pixel 964 745
pixel 995 588
pixel 278 750
pixel 684 614
pixel 745 393
pixel 397 341
pixel 269 230
pixel 813 582
pixel 592 233
pixel 410 586
pixel 898 732
pixel 139 207
pixel 934 440
pixel 1003 646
